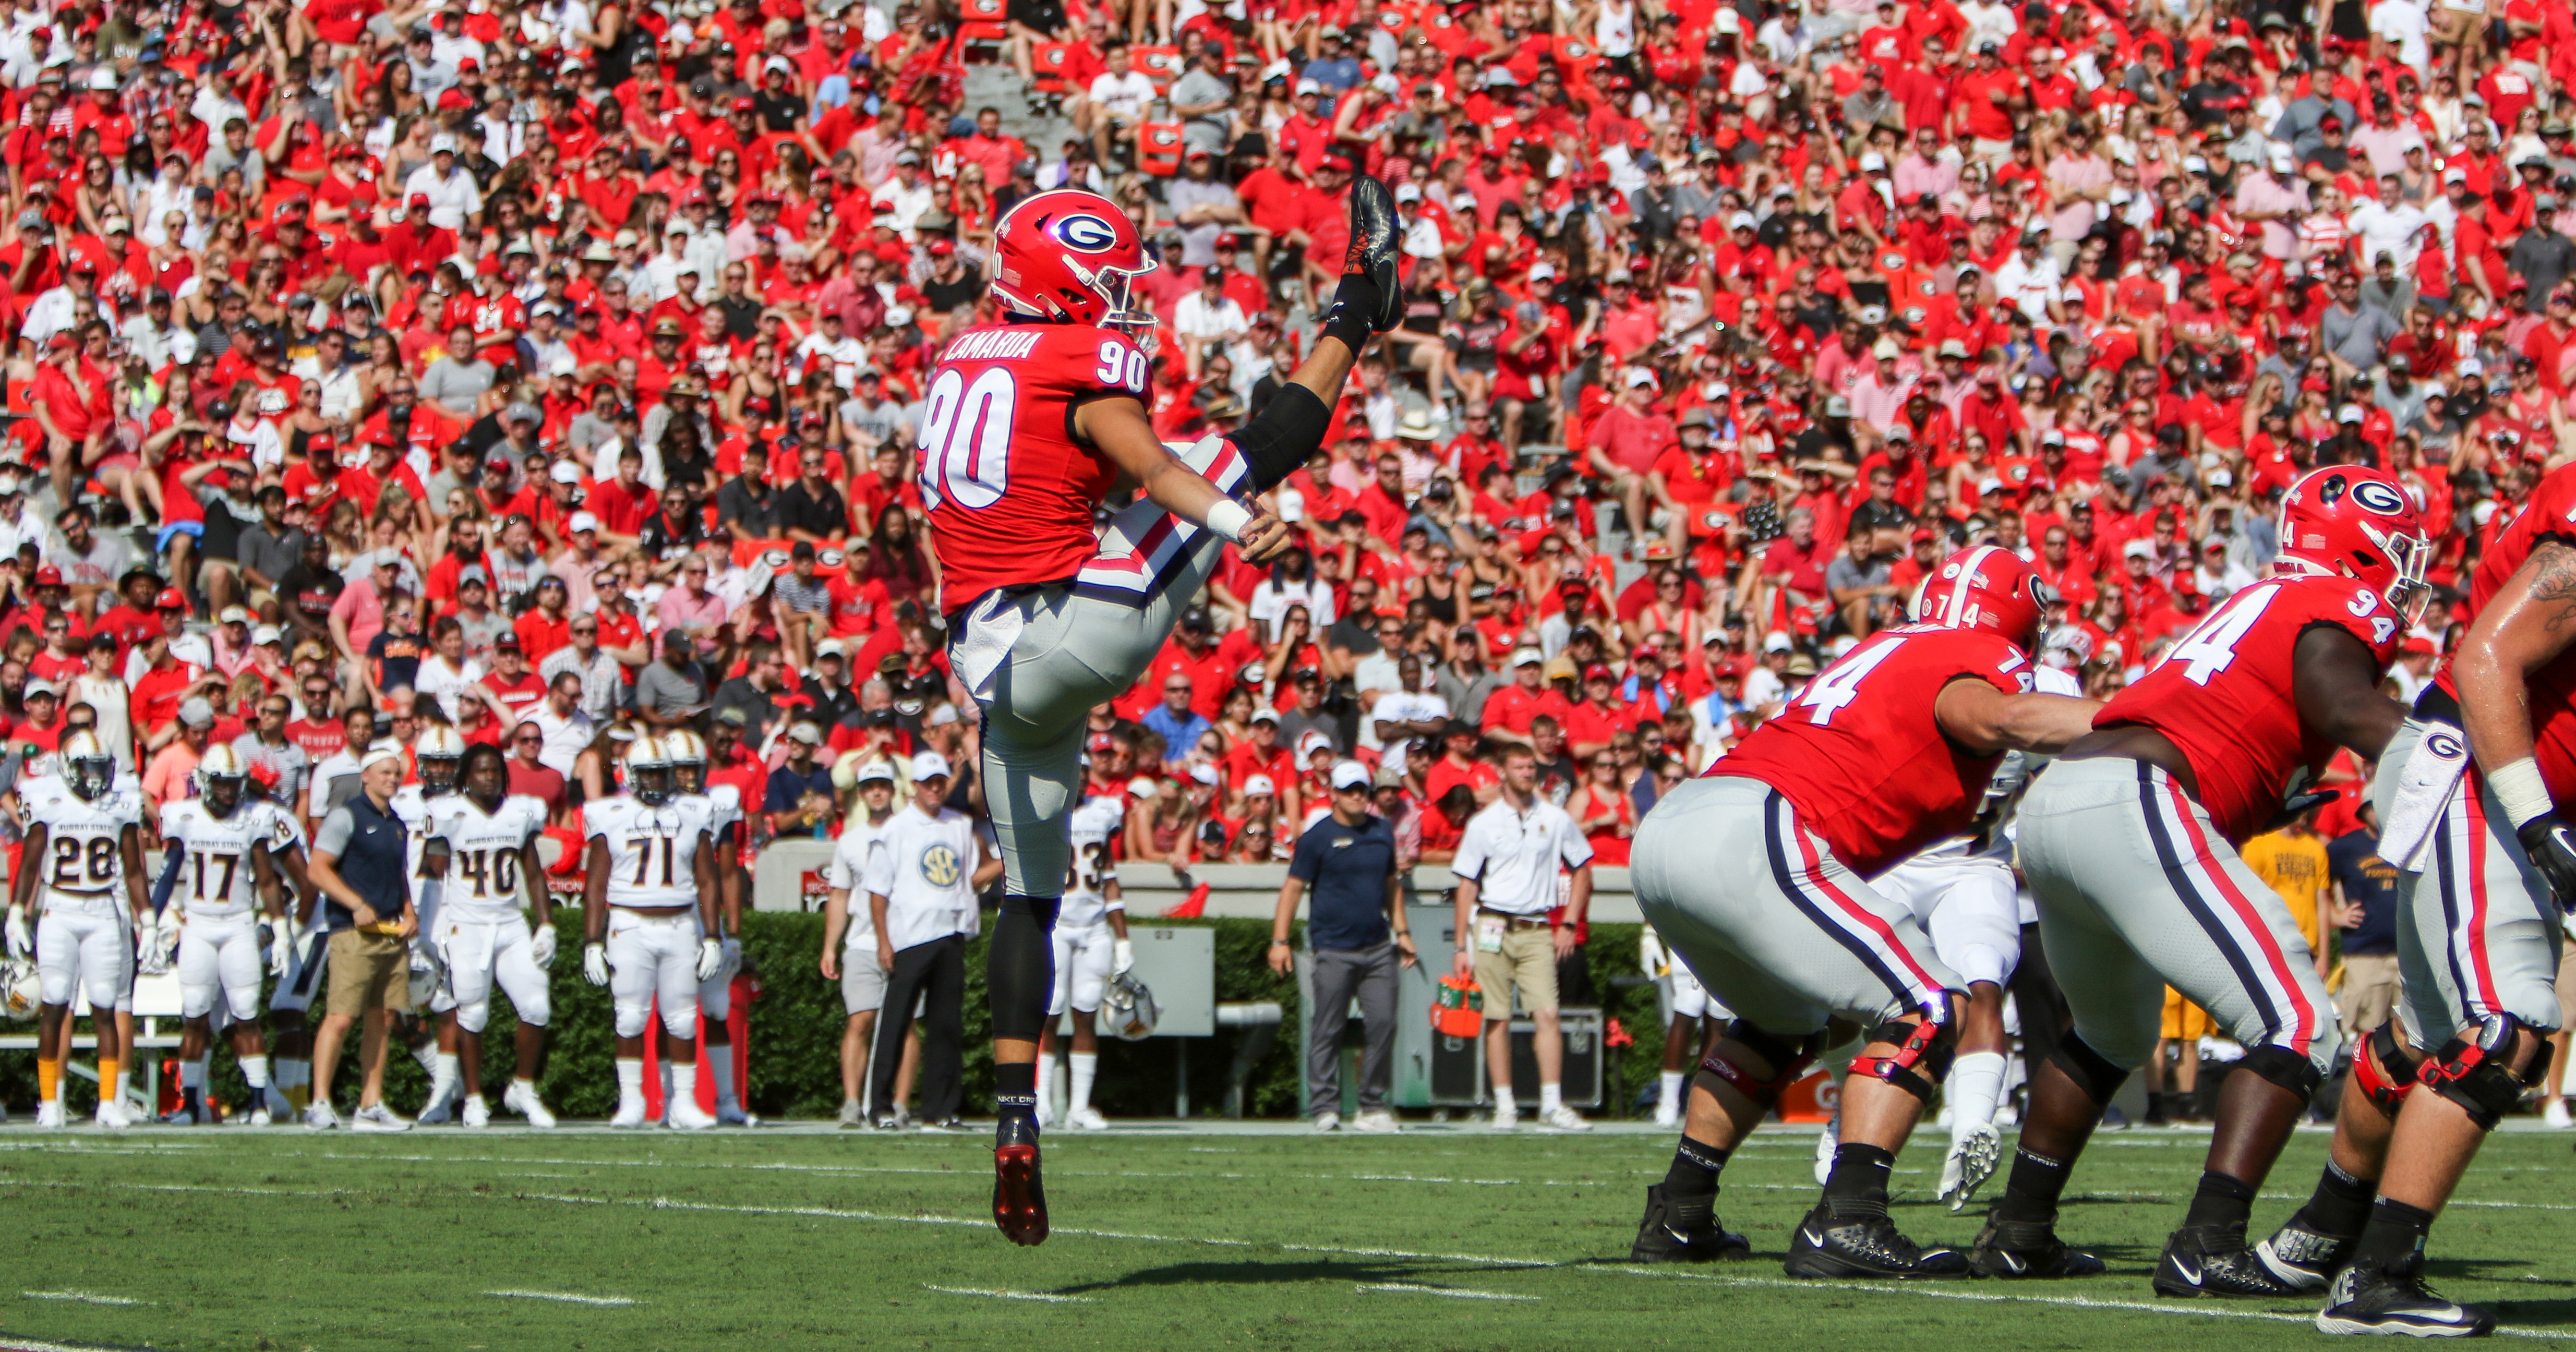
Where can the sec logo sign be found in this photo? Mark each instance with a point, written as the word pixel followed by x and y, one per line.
pixel 939 865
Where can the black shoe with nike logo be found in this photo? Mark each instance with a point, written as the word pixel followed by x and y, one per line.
pixel 1685 1230
pixel 1864 1244
pixel 2027 1250
pixel 2304 1258
pixel 2212 1260
pixel 2367 1300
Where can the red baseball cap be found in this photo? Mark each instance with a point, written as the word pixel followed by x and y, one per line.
pixel 170 599
pixel 420 199
pixel 49 577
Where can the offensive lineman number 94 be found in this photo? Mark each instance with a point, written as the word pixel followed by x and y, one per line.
pixel 966 433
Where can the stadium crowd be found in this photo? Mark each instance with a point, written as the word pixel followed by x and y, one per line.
pixel 551 370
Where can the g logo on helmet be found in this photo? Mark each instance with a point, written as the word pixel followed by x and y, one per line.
pixel 1086 232
pixel 2378 497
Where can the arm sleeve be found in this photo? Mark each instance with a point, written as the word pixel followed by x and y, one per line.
pixel 1307 861
pixel 879 871
pixel 1571 846
pixel 169 879
pixel 1470 862
pixel 332 836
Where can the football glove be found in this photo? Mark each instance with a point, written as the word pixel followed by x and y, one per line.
pixel 159 943
pixel 281 946
pixel 732 955
pixel 22 936
pixel 1971 1162
pixel 1122 958
pixel 710 959
pixel 2551 843
pixel 594 963
pixel 541 947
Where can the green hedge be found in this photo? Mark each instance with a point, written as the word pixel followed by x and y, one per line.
pixel 796 1024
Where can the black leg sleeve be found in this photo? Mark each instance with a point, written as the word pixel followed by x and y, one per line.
pixel 1289 431
pixel 1019 966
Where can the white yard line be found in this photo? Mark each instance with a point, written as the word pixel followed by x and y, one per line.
pixel 564 1297
pixel 82 1297
pixel 998 1293
pixel 1452 1292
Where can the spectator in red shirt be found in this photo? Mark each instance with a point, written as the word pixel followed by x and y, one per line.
pixel 1627 440
pixel 1508 711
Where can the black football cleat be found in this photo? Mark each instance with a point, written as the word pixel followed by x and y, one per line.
pixel 2212 1260
pixel 1864 1245
pixel 2302 1258
pixel 2367 1300
pixel 1019 1195
pixel 1375 239
pixel 2027 1251
pixel 1685 1231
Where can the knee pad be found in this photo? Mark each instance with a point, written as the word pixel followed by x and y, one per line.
pixel 2284 1067
pixel 681 1022
pixel 1020 966
pixel 1924 1047
pixel 2091 1071
pixel 1788 1061
pixel 2485 1075
pixel 632 1018
pixel 472 1015
pixel 535 1012
pixel 2384 1070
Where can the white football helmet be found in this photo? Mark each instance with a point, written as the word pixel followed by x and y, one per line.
pixel 648 771
pixel 688 755
pixel 22 989
pixel 221 778
pixel 426 974
pixel 440 754
pixel 1129 1007
pixel 87 768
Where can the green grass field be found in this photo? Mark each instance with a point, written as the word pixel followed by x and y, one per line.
pixel 1445 1237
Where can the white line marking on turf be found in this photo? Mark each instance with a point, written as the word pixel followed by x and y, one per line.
pixel 82 1297
pixel 998 1293
pixel 1454 1293
pixel 566 1297
pixel 14 1343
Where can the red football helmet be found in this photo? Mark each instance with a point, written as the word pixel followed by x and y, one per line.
pixel 2357 522
pixel 1068 256
pixel 1988 587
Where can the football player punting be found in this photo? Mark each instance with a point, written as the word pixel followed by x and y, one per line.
pixel 723 805
pixel 648 913
pixel 1754 875
pixel 2129 843
pixel 2490 873
pixel 1029 425
pixel 82 877
pixel 481 851
pixel 216 861
pixel 1091 950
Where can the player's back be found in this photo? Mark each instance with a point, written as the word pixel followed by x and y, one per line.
pixel 214 864
pixel 2550 515
pixel 652 851
pixel 483 860
pixel 2223 693
pixel 1010 493
pixel 84 859
pixel 1093 826
pixel 1860 755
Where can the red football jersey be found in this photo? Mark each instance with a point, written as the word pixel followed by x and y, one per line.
pixel 2222 693
pixel 2550 514
pixel 1010 494
pixel 1859 754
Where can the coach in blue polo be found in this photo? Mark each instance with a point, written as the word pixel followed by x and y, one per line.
pixel 357 863
pixel 1356 930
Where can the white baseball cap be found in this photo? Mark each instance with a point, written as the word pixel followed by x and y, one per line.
pixel 442 144
pixel 1259 784
pixel 876 769
pixel 1350 775
pixel 930 765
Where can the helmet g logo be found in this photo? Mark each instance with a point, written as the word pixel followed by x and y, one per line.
pixel 2379 497
pixel 1087 233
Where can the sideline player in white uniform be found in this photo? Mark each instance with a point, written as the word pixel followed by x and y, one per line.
pixel 1091 950
pixel 1690 1031
pixel 648 907
pixel 850 943
pixel 300 962
pixel 216 849
pixel 438 757
pixel 85 844
pixel 481 852
pixel 723 805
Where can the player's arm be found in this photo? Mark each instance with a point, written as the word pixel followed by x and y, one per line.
pixel 2522 630
pixel 594 892
pixel 172 854
pixel 2335 680
pixel 836 922
pixel 129 843
pixel 1117 427
pixel 885 940
pixel 31 862
pixel 1985 720
pixel 264 881
pixel 532 873
pixel 704 865
pixel 988 864
pixel 729 885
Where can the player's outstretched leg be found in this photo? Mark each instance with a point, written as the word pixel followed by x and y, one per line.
pixel 1849 1233
pixel 1737 1084
pixel 1020 970
pixel 2067 1096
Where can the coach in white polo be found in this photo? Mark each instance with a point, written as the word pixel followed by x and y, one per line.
pixel 1506 869
pixel 921 880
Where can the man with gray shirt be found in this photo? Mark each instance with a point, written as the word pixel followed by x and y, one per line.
pixel 459 377
pixel 267 550
pixel 2354 330
pixel 1464 680
pixel 1201 202
pixel 673 690
pixel 1200 99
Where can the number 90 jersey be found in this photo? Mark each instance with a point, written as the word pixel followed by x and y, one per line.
pixel 2222 693
pixel 215 877
pixel 1010 493
pixel 483 853
pixel 1860 755
pixel 1086 901
pixel 84 859
pixel 652 851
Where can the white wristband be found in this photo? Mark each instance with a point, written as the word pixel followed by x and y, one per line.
pixel 1228 519
pixel 2520 789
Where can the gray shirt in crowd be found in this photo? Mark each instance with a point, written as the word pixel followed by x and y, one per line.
pixel 455 385
pixel 660 690
pixel 2357 335
pixel 267 552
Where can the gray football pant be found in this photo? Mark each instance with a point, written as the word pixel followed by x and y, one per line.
pixel 1775 926
pixel 1081 643
pixel 2477 934
pixel 1341 975
pixel 2137 890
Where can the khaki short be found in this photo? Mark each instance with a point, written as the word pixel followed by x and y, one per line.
pixel 2370 989
pixel 368 971
pixel 863 983
pixel 2183 1021
pixel 1527 963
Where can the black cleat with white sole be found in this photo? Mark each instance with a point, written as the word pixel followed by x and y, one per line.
pixel 1863 1244
pixel 2303 1258
pixel 2027 1251
pixel 1685 1230
pixel 2368 1300
pixel 2212 1260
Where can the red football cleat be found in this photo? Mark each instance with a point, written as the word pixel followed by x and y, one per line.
pixel 1019 1195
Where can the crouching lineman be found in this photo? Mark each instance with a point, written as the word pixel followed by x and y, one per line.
pixel 648 915
pixel 1754 875
pixel 481 850
pixel 2490 866
pixel 217 861
pixel 2129 842
pixel 82 873
pixel 722 803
